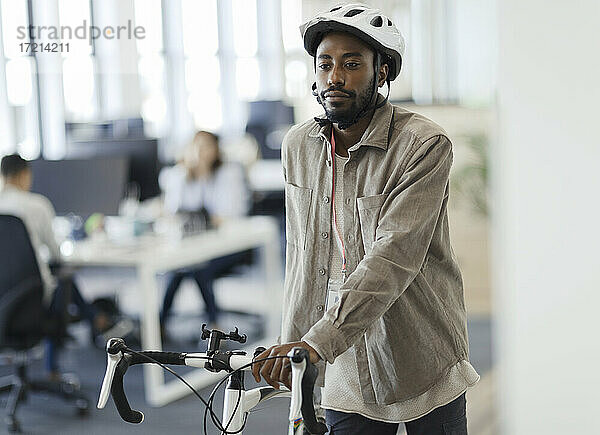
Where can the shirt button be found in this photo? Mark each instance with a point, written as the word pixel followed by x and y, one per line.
pixel 326 199
pixel 319 308
pixel 348 201
pixel 322 271
pixel 350 238
pixel 324 235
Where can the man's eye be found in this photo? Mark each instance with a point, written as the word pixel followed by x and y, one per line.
pixel 324 66
pixel 352 64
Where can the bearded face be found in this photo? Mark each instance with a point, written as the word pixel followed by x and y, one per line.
pixel 342 111
pixel 345 76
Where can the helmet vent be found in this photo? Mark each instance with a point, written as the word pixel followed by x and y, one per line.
pixel 390 22
pixel 353 12
pixel 335 9
pixel 377 21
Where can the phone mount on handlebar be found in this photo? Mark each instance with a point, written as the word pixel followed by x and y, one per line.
pixel 215 336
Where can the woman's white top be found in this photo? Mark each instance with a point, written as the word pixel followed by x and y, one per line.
pixel 224 194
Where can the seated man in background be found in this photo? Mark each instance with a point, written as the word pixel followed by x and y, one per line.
pixel 37 214
pixel 202 183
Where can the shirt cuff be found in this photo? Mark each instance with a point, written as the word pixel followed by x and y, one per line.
pixel 326 339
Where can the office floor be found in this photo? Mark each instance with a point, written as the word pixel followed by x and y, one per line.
pixel 43 415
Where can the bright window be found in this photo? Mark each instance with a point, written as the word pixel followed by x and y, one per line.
pixel 202 73
pixel 74 15
pixel 247 78
pixel 151 69
pixel 151 66
pixel 78 85
pixel 79 75
pixel 21 110
pixel 291 19
pixel 296 79
pixel 148 14
pixel 244 27
pixel 19 80
pixel 200 27
pixel 202 64
pixel 14 27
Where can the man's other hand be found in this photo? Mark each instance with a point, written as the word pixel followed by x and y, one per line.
pixel 278 370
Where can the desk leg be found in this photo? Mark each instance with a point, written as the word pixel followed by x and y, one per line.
pixel 150 331
pixel 274 281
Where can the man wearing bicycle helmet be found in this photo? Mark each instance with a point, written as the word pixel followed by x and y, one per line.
pixel 372 286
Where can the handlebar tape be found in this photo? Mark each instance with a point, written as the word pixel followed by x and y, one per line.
pixel 118 393
pixel 129 359
pixel 171 358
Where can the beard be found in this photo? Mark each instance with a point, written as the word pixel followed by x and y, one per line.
pixel 347 116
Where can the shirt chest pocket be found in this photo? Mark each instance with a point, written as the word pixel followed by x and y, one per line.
pixel 369 208
pixel 297 210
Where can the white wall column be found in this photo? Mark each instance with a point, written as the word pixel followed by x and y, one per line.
pixel 7 138
pixel 52 108
pixel 420 47
pixel 270 50
pixel 475 28
pixel 546 180
pixel 179 117
pixel 117 60
pixel 234 119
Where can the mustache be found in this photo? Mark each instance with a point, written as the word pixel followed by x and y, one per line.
pixel 350 94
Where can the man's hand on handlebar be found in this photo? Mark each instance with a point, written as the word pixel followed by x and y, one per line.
pixel 279 370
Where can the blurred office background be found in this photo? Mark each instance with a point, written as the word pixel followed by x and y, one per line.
pixel 513 83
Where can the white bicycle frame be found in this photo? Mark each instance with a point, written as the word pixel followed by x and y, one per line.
pixel 237 402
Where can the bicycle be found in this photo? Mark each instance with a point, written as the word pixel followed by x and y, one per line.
pixel 237 401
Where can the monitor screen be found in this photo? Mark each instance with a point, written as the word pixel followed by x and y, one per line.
pixel 268 121
pixel 142 154
pixel 84 186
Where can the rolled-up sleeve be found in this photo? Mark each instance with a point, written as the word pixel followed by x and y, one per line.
pixel 404 231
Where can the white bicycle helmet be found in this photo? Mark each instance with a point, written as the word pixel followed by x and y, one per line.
pixel 364 22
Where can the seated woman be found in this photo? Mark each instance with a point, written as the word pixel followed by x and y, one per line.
pixel 203 183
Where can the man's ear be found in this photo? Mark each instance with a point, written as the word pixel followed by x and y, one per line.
pixel 383 73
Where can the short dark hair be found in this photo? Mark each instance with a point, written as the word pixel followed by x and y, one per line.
pixel 12 165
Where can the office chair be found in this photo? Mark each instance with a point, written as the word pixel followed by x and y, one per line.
pixel 24 321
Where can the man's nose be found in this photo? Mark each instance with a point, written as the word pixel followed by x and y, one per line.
pixel 336 76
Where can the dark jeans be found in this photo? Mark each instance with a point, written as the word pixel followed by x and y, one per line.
pixel 204 277
pixel 450 419
pixel 66 293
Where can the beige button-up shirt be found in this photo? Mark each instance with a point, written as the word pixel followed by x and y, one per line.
pixel 402 305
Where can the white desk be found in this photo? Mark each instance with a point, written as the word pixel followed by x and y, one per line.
pixel 151 255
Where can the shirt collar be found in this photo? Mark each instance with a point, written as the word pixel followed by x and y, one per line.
pixel 377 132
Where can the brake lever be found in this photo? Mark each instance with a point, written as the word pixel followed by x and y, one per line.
pixel 114 353
pixel 298 368
pixel 304 375
pixel 120 358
